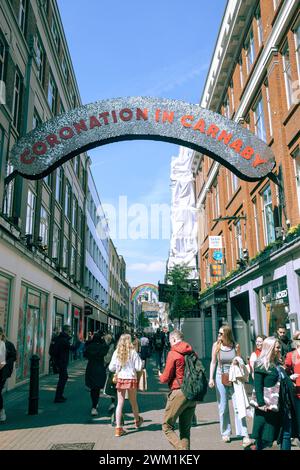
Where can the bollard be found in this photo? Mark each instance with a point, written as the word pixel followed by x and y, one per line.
pixel 33 401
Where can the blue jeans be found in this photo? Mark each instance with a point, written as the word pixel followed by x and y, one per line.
pixel 287 431
pixel 223 396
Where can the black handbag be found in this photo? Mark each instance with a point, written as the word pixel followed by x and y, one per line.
pixel 109 387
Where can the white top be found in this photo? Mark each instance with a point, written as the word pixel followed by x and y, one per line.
pixel 128 371
pixel 2 353
pixel 144 341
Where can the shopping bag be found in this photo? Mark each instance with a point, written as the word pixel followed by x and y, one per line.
pixel 142 380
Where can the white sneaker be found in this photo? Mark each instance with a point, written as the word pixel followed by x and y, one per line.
pixel 247 442
pixel 226 438
pixel 2 415
pixel 94 412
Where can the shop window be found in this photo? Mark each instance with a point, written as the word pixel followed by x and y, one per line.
pixel 275 305
pixel 5 285
pixel 269 229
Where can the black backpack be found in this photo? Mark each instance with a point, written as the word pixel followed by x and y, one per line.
pixel 194 384
pixel 54 347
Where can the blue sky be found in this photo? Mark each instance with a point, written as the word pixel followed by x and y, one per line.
pixel 158 48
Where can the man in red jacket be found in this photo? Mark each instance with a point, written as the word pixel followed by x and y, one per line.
pixel 177 404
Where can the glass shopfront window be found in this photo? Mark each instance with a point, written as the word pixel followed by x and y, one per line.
pixel 4 301
pixel 31 330
pixel 274 301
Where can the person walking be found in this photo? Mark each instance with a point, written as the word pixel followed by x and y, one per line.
pixel 159 347
pixel 145 353
pixel 178 406
pixel 95 373
pixel 224 351
pixel 61 359
pixel 8 356
pixel 284 341
pixel 274 420
pixel 255 354
pixel 112 391
pixel 126 363
pixel 292 365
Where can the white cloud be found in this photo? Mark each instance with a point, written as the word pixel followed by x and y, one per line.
pixel 155 266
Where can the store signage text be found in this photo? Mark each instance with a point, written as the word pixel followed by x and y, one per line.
pixel 54 142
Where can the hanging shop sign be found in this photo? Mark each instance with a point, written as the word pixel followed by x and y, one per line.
pixel 42 150
pixel 215 242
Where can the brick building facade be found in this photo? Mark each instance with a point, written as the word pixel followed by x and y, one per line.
pixel 254 80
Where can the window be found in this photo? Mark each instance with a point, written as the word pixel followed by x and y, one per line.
pixel 64 67
pixel 239 241
pixel 73 261
pixel 31 199
pixel 56 242
pixel 287 74
pixel 256 221
pixel 40 58
pixel 259 120
pixel 250 51
pixel 36 120
pixel 66 253
pixel 2 59
pixel 235 182
pixel 58 186
pixel 259 26
pixel 296 157
pixel 44 226
pixel 275 4
pixel 55 33
pixel 241 72
pixel 68 200
pixel 269 110
pixel 231 94
pixel 297 45
pixel 22 14
pixel 226 107
pixel 269 229
pixel 17 99
pixel 52 94
pixel 216 204
pixel 74 213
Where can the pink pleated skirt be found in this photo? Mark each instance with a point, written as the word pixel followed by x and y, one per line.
pixel 126 384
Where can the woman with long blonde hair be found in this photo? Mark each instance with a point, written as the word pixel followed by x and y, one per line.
pixel 126 363
pixel 224 351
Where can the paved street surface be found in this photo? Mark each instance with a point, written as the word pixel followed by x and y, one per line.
pixel 70 423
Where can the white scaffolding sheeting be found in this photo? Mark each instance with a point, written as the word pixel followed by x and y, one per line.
pixel 183 244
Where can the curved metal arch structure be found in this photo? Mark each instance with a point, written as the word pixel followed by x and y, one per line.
pixel 54 142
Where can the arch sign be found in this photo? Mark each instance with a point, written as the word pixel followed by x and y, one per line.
pixel 42 150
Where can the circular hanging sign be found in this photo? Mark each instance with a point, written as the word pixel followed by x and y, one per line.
pixel 54 142
pixel 217 255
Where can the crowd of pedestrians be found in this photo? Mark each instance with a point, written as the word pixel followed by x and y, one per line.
pixel 117 365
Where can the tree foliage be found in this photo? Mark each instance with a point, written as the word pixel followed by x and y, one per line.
pixel 182 289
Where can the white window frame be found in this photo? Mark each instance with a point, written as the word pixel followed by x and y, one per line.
pixel 44 225
pixel 56 241
pixel 239 239
pixel 256 222
pixel 296 31
pixel 259 119
pixel 296 158
pixel 17 98
pixel 65 252
pixel 52 93
pixel 22 14
pixel 269 110
pixel 30 212
pixel 250 50
pixel 268 234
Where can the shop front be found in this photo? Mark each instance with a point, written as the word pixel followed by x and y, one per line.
pixel 274 306
pixel 5 292
pixel 31 337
